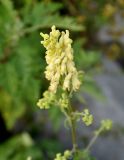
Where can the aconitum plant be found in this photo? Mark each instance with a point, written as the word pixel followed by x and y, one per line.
pixel 64 81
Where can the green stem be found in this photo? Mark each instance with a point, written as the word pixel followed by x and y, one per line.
pixel 73 128
pixel 94 139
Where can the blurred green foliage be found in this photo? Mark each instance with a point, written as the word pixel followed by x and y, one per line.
pixel 21 62
pixel 22 57
pixel 20 147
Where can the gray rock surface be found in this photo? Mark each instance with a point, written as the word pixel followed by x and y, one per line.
pixel 111 82
pixel 109 148
pixel 105 35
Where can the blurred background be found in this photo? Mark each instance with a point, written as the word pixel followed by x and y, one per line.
pixel 97 30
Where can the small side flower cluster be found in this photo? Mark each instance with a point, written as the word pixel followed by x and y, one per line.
pixel 59 57
pixel 106 124
pixel 47 100
pixel 87 118
pixel 64 101
pixel 66 156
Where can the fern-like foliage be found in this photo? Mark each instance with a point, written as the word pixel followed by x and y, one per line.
pixel 21 63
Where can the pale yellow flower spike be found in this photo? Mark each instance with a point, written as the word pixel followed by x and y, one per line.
pixel 59 57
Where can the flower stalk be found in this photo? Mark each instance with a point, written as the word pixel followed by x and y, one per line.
pixel 64 80
pixel 73 129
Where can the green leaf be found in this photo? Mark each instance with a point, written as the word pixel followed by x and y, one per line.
pixel 45 15
pixel 20 79
pixel 11 104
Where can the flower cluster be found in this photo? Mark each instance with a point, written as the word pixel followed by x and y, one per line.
pixel 64 101
pixel 59 57
pixel 66 156
pixel 87 118
pixel 47 100
pixel 106 124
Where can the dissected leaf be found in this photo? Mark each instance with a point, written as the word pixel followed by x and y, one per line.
pixel 45 15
